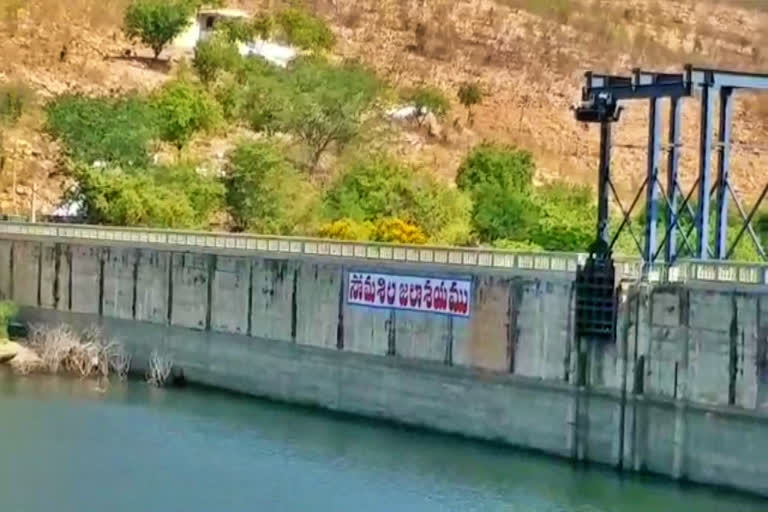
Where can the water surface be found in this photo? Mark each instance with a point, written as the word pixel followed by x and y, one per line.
pixel 66 445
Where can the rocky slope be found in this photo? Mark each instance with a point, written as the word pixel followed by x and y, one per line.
pixel 529 55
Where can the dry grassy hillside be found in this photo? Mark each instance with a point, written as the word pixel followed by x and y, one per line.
pixel 529 55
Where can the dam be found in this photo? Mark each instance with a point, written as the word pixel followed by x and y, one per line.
pixel 470 342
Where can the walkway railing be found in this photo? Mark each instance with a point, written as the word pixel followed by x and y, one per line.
pixel 628 268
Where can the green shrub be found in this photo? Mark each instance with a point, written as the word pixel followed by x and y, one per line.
pixel 157 22
pixel 113 130
pixel 323 105
pixel 14 100
pixel 264 96
pixel 214 55
pixel 140 198
pixel 497 165
pixel 470 94
pixel 300 28
pixel 265 193
pixel 516 245
pixel 264 26
pixel 428 99
pixel 204 193
pixel 567 218
pixel 236 30
pixel 183 109
pixel 8 310
pixel 347 229
pixel 393 230
pixel 503 212
pixel 380 187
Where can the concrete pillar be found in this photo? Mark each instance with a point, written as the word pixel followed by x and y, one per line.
pixel 231 295
pixel 119 287
pixel 153 282
pixel 49 275
pixel 317 304
pixel 6 268
pixel 745 351
pixel 26 269
pixel 190 290
pixel 86 279
pixel 485 339
pixel 273 299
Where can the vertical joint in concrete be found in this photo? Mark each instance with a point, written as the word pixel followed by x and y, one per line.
pixel 513 312
pixel 449 343
pixel 294 305
pixel 391 334
pixel 69 278
pixel 103 253
pixel 250 298
pixel 56 269
pixel 212 262
pixel 733 352
pixel 169 309
pixel 11 291
pixel 135 279
pixel 340 320
pixel 40 275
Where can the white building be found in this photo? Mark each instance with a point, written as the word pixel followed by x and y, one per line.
pixel 205 22
pixel 203 25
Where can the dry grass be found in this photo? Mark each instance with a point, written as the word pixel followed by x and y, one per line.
pixel 160 368
pixel 86 354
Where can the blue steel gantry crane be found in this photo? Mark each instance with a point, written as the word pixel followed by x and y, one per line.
pixel 602 99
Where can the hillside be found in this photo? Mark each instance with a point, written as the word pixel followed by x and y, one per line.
pixel 529 55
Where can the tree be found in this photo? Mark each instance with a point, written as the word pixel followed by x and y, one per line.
pixel 8 310
pixel 427 99
pixel 146 197
pixel 237 30
pixel 498 165
pixel 470 94
pixel 115 131
pixel 183 109
pixel 265 193
pixel 379 187
pixel 300 28
pixel 265 95
pixel 14 99
pixel 566 218
pixel 204 191
pixel 499 179
pixel 394 230
pixel 503 212
pixel 214 55
pixel 157 22
pixel 327 104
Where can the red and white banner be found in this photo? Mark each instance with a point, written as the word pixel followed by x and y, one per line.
pixel 430 295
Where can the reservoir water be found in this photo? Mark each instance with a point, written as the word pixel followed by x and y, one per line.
pixel 69 446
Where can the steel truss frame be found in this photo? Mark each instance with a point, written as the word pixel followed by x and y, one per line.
pixel 602 96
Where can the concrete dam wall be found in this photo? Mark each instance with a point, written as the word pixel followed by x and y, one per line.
pixel 487 353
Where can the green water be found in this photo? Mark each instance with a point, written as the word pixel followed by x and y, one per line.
pixel 68 446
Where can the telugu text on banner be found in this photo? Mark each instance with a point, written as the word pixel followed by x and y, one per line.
pixel 414 293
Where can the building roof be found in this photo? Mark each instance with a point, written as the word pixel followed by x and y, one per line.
pixel 224 13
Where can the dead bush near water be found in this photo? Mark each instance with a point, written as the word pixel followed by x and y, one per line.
pixel 160 368
pixel 86 354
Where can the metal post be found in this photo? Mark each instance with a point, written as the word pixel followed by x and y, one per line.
pixel 654 155
pixel 675 119
pixel 723 172
pixel 705 155
pixel 603 184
